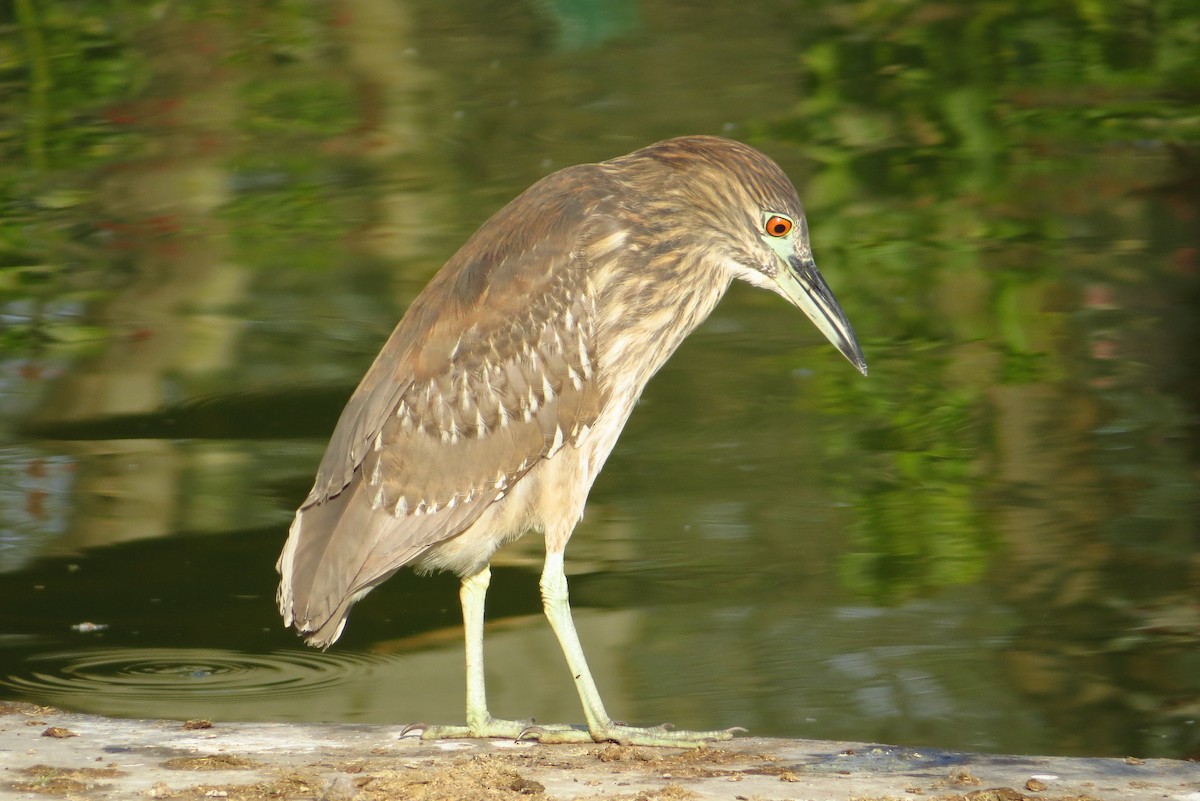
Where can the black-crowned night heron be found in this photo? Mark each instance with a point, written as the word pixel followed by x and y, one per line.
pixel 495 402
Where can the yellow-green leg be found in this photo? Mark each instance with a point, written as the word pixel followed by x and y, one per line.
pixel 600 727
pixel 472 594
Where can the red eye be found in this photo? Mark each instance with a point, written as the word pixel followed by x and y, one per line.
pixel 778 226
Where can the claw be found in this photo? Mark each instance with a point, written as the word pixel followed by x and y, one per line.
pixel 413 727
pixel 523 733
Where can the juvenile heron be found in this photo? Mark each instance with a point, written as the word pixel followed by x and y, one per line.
pixel 495 402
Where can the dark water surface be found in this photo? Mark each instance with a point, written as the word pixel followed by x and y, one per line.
pixel 215 213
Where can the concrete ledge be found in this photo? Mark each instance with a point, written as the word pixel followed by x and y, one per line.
pixel 46 753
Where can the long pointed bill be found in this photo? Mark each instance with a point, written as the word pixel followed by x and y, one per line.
pixel 804 286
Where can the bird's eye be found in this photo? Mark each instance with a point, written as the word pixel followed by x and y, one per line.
pixel 778 225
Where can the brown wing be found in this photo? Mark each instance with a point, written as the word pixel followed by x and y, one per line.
pixel 489 372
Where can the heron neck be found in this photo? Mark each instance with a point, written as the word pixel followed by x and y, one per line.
pixel 643 314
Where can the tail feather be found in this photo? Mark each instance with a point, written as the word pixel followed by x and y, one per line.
pixel 331 561
pixel 340 548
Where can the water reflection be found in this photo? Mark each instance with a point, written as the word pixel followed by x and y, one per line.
pixel 990 543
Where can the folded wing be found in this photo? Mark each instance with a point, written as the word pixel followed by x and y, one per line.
pixel 490 372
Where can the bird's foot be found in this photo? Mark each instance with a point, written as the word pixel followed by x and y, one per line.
pixel 494 727
pixel 613 732
pixel 562 733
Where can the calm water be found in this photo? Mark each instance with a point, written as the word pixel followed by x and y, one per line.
pixel 214 217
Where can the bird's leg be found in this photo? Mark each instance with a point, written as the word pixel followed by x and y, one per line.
pixel 480 723
pixel 556 603
pixel 601 727
pixel 472 594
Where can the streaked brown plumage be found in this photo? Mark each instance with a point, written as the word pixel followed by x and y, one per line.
pixel 496 400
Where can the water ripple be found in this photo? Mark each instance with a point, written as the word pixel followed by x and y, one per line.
pixel 184 674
